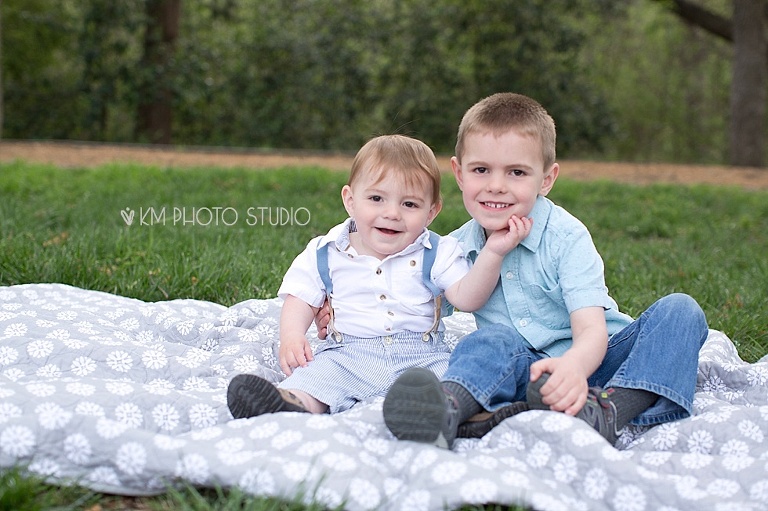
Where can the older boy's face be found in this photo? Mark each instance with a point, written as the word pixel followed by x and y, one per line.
pixel 501 176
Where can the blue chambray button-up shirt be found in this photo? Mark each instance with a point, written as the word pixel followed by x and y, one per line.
pixel 554 271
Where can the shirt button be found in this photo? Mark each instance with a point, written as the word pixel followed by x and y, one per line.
pixel 382 297
pixel 378 271
pixel 509 275
pixel 523 322
pixel 412 262
pixel 390 313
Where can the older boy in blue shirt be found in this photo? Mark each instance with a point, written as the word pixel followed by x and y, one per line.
pixel 550 336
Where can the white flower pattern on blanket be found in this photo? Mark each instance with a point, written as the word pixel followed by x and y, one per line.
pixel 127 397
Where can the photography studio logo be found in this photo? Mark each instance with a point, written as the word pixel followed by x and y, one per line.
pixel 128 215
pixel 265 216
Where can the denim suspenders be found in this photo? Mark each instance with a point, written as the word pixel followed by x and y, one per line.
pixel 426 268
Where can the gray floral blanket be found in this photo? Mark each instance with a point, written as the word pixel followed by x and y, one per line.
pixel 129 397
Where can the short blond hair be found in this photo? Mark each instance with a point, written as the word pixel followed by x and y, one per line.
pixel 506 111
pixel 399 156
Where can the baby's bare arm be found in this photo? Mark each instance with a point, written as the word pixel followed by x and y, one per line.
pixel 295 318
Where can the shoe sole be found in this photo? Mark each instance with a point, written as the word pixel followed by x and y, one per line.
pixel 249 395
pixel 414 408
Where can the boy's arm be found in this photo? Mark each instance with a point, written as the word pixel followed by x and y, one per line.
pixel 295 318
pixel 473 290
pixel 566 388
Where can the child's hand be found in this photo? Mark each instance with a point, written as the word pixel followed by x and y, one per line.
pixel 294 352
pixel 322 319
pixel 505 240
pixel 566 388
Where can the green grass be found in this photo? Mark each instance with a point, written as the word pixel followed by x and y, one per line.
pixel 21 492
pixel 66 226
pixel 706 241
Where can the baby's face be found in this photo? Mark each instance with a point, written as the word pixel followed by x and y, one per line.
pixel 501 176
pixel 389 214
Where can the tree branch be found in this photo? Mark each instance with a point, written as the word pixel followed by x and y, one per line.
pixel 703 18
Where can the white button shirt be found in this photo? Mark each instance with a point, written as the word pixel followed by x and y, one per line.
pixel 373 297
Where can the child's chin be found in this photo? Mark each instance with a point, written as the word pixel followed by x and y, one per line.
pixel 493 225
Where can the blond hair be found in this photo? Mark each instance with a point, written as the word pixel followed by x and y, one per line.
pixel 506 111
pixel 408 159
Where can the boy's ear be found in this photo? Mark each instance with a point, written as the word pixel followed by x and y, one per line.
pixel 549 179
pixel 456 168
pixel 348 200
pixel 434 210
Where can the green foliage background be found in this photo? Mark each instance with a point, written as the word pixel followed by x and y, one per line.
pixel 624 80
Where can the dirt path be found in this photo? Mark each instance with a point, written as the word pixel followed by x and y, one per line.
pixel 70 155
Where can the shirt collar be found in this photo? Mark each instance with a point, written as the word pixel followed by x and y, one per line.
pixel 339 236
pixel 540 215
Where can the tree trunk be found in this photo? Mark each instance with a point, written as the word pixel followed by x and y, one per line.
pixel 1 70
pixel 749 80
pixel 155 109
pixel 749 83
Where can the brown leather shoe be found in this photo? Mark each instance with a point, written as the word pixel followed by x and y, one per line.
pixel 249 395
pixel 480 424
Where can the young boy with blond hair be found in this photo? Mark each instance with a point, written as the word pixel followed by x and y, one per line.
pixel 384 273
pixel 549 336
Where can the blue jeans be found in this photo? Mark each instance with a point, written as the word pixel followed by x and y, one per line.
pixel 658 352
